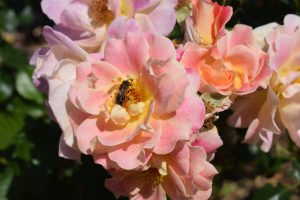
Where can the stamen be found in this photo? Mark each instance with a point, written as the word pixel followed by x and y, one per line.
pixel 182 3
pixel 100 13
pixel 151 176
pixel 128 93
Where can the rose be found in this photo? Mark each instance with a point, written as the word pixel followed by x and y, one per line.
pixel 234 65
pixel 182 174
pixel 90 23
pixel 207 22
pixel 278 107
pixel 138 99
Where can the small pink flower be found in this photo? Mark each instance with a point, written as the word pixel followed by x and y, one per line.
pixel 233 65
pixel 137 98
pixel 183 174
pixel 207 22
pixel 278 107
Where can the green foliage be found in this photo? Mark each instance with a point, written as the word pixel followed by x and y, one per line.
pixel 6 178
pixel 10 126
pixel 272 193
pixel 26 89
pixel 11 57
pixel 6 88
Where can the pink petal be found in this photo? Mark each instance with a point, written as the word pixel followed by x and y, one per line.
pixel 58 101
pixel 105 72
pixel 121 26
pixel 173 185
pixel 241 35
pixel 131 155
pixel 55 37
pixel 244 59
pixel 91 100
pixel 291 23
pixel 68 152
pixel 188 118
pixel 290 114
pixel 54 8
pixel 193 56
pixel 209 140
pixel 161 48
pixel 76 15
pixel 252 103
pixel 163 17
pixel 129 55
pixel 170 91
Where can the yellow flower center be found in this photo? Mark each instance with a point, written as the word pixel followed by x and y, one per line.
pixel 127 100
pixel 277 86
pixel 128 93
pixel 182 3
pixel 152 176
pixel 100 13
pixel 126 8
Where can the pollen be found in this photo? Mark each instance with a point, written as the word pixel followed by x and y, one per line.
pixel 100 13
pixel 128 93
pixel 151 176
pixel 182 3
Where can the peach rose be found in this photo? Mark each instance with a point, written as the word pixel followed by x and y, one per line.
pixel 278 107
pixel 207 22
pixel 234 65
pixel 183 174
pixel 137 98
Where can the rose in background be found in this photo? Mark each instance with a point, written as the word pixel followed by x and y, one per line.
pixel 182 174
pixel 207 23
pixel 277 107
pixel 91 23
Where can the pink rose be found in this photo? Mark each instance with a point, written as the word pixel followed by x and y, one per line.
pixel 55 71
pixel 258 111
pixel 88 22
pixel 233 65
pixel 207 22
pixel 183 174
pixel 278 107
pixel 137 98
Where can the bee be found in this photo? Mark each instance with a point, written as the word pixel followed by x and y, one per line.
pixel 122 91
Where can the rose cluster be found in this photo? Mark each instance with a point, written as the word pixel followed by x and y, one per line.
pixel 144 106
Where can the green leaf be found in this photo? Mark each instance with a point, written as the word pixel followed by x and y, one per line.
pixel 8 19
pixel 12 57
pixel 183 12
pixel 26 88
pixel 26 16
pixel 6 87
pixel 10 126
pixel 5 181
pixel 21 107
pixel 23 148
pixel 269 192
pixel 176 33
pixel 216 102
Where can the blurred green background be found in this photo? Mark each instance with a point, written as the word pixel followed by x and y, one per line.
pixel 29 164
